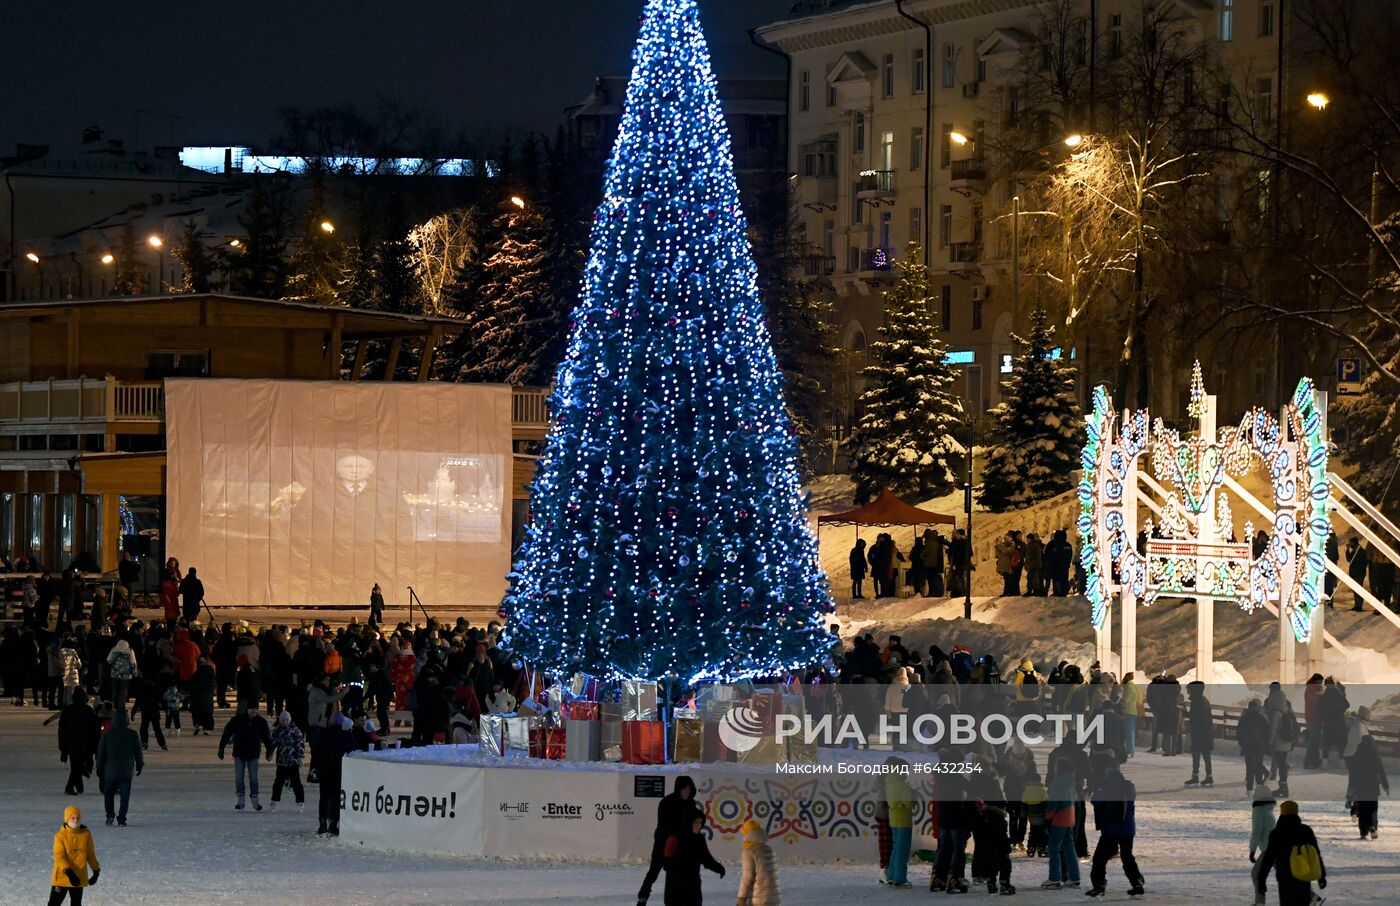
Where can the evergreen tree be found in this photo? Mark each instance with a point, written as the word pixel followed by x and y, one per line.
pixel 906 439
pixel 669 532
pixel 196 264
pixel 317 267
pixel 1367 426
pixel 130 276
pixel 515 332
pixel 259 265
pixel 1038 429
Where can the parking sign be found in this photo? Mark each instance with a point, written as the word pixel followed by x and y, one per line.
pixel 1348 377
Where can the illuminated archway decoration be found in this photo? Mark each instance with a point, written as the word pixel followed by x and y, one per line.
pixel 1191 551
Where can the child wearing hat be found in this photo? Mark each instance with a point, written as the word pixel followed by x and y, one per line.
pixel 758 880
pixel 72 855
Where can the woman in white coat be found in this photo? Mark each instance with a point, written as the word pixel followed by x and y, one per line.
pixel 758 882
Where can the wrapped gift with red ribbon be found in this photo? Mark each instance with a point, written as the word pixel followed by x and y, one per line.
pixel 548 742
pixel 643 742
pixel 578 710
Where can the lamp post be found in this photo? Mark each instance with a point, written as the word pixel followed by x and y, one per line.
pixel 971 418
pixel 158 244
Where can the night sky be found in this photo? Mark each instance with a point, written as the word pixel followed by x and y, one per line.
pixel 224 69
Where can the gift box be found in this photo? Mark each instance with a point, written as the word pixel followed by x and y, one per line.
pixel 643 742
pixel 687 740
pixel 585 687
pixel 548 742
pixel 712 748
pixel 578 710
pixel 583 740
pixel 493 734
pixel 638 700
pixel 518 727
pixel 768 751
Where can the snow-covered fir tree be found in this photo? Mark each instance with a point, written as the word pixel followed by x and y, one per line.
pixel 516 327
pixel 906 440
pixel 1367 426
pixel 1038 430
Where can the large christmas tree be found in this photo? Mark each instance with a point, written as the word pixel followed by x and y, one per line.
pixel 906 439
pixel 669 533
pixel 1038 430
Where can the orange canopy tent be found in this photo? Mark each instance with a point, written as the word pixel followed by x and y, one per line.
pixel 885 510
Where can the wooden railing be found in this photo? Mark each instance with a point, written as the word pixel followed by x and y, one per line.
pixel 80 400
pixel 142 401
pixel 529 406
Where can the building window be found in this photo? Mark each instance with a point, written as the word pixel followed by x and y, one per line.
pixel 977 222
pixel 7 522
pixel 855 258
pixel 819 160
pixel 829 238
pixel 945 314
pixel 1264 99
pixel 945 148
pixel 1081 42
pixel 887 151
pixel 1115 36
pixel 916 225
pixel 977 313
pixel 164 363
pixel 918 71
pixel 804 91
pixel 1227 20
pixel 888 77
pixel 1266 19
pixel 886 230
pixel 858 133
pixel 1013 107
pixel 950 65
pixel 858 211
pixel 916 147
pixel 830 89
pixel 981 70
pixel 945 226
pixel 34 520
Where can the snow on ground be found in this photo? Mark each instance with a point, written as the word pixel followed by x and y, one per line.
pixel 185 844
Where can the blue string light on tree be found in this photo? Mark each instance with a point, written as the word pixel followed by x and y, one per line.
pixel 669 533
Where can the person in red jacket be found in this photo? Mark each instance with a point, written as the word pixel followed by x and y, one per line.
pixel 186 658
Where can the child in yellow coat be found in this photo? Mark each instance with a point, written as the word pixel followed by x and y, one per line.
pixel 72 854
pixel 758 884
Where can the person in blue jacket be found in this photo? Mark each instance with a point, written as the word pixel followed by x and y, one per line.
pixel 1115 817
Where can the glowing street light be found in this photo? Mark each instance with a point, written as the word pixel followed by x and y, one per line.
pixel 32 257
pixel 1318 100
pixel 958 138
pixel 1074 140
pixel 327 226
pixel 155 242
pixel 108 258
pixel 235 243
pixel 518 202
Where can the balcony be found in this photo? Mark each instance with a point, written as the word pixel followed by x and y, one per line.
pixel 967 175
pixel 878 260
pixel 80 401
pixel 817 193
pixel 815 267
pixel 875 184
pixel 964 256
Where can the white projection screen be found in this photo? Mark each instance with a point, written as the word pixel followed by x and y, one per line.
pixel 309 492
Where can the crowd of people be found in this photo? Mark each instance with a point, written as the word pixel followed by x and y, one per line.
pixel 330 691
pixel 938 566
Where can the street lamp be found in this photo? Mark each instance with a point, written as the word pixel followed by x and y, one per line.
pixel 518 202
pixel 970 418
pixel 1074 140
pixel 958 138
pixel 32 257
pixel 1318 100
pixel 158 244
pixel 327 226
pixel 108 258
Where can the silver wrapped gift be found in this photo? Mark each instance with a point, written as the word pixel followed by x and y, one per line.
pixel 500 733
pixel 583 740
pixel 493 734
pixel 638 700
pixel 518 727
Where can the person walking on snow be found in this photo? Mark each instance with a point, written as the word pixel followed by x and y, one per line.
pixel 119 758
pixel 685 854
pixel 290 744
pixel 73 855
pixel 858 565
pixel 673 818
pixel 1115 817
pixel 1292 842
pixel 1366 778
pixel 1202 733
pixel 1261 825
pixel 247 731
pixel 758 877
pixel 330 750
pixel 78 736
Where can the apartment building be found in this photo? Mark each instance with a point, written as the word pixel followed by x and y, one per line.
pixel 893 110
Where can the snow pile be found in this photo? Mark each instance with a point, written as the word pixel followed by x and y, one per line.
pixel 1222 673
